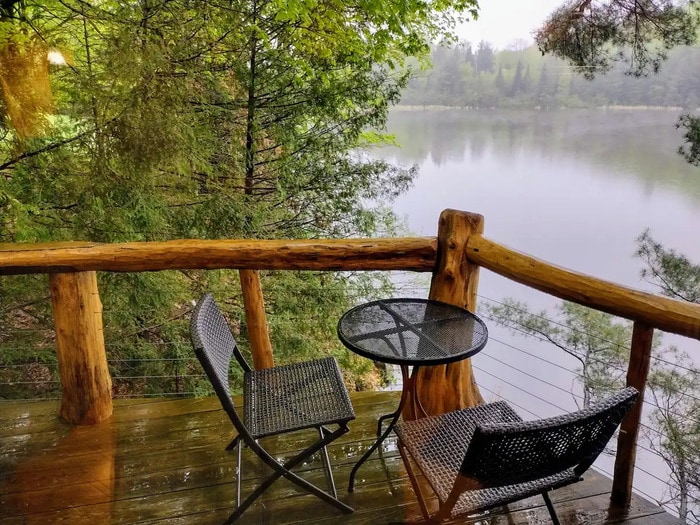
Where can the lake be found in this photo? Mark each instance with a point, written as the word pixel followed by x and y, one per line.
pixel 575 188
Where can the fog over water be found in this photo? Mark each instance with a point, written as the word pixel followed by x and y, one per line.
pixel 575 188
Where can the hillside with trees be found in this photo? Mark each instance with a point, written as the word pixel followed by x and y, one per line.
pixel 156 120
pixel 483 77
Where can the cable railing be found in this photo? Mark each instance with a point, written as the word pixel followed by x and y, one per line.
pixel 517 386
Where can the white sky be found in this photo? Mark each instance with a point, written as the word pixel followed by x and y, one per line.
pixel 501 22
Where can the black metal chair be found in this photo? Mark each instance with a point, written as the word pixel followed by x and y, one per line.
pixel 479 458
pixel 277 400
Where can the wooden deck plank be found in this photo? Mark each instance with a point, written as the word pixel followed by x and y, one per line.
pixel 163 461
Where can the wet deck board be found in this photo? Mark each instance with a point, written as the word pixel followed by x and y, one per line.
pixel 163 461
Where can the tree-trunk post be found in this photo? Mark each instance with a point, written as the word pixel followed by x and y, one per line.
pixel 256 320
pixel 455 280
pixel 637 373
pixel 80 347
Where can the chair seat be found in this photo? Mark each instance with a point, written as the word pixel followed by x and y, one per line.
pixel 293 397
pixel 438 446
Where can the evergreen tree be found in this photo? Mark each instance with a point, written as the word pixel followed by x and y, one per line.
pixel 499 82
pixel 485 58
pixel 517 86
pixel 211 119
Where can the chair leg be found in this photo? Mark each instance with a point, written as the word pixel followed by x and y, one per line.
pixel 327 462
pixel 284 471
pixel 550 508
pixel 414 481
pixel 233 443
pixel 239 469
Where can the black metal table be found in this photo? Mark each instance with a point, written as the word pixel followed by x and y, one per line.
pixel 409 333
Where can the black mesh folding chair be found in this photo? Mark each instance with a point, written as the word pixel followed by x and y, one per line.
pixel 277 400
pixel 483 457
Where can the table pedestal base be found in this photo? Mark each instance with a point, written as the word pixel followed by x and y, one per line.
pixel 408 393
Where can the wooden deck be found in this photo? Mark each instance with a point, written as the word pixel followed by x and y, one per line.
pixel 162 461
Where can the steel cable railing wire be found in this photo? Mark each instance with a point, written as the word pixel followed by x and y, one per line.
pixel 538 416
pixel 539 379
pixel 505 364
pixel 513 347
pixel 195 376
pixel 422 289
pixel 548 319
pixel 573 394
pixel 610 475
pixel 639 445
pixel 646 401
pixel 598 360
pixel 540 398
pixel 544 339
pixel 555 322
pixel 516 405
pixel 179 376
pixel 562 409
pixel 150 359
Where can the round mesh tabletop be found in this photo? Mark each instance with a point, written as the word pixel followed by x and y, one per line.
pixel 412 332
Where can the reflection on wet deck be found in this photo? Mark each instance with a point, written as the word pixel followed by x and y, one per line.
pixel 163 461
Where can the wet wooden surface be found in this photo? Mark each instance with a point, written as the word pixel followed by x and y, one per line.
pixel 163 462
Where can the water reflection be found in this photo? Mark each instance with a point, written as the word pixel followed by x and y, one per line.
pixel 572 187
pixel 66 476
pixel 622 143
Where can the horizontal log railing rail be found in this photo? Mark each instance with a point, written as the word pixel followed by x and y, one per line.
pixel 454 258
pixel 410 254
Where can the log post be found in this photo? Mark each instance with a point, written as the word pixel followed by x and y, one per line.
pixel 637 373
pixel 256 320
pixel 80 346
pixel 455 280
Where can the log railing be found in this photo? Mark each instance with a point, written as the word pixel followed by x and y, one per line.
pixel 454 258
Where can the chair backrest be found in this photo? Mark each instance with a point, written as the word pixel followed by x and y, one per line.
pixel 214 346
pixel 510 453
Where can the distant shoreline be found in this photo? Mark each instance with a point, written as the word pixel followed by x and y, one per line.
pixel 597 108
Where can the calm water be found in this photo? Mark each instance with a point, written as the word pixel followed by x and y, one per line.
pixel 575 188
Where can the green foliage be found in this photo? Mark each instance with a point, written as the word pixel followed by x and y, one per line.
pixel 691 138
pixel 594 35
pixel 674 273
pixel 675 433
pixel 207 120
pixel 595 339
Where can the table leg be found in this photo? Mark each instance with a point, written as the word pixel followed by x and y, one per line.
pixel 381 420
pixel 418 410
pixel 405 392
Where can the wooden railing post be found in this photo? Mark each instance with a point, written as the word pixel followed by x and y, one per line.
pixel 455 281
pixel 80 346
pixel 256 320
pixel 637 373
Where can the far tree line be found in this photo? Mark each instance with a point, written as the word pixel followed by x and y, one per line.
pixel 481 76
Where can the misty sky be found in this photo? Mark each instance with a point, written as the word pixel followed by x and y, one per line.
pixel 501 22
